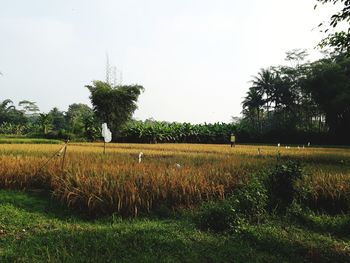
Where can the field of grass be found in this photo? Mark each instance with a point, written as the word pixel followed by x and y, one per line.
pixel 16 139
pixel 86 207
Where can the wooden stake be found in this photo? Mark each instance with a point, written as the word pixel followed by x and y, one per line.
pixel 64 153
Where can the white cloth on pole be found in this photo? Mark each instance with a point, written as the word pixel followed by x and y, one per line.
pixel 106 133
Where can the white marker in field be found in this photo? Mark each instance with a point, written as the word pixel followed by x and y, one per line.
pixel 140 157
pixel 107 135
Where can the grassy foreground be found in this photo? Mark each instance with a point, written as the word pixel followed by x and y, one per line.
pixel 35 229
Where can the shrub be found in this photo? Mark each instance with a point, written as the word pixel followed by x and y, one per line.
pixel 250 200
pixel 281 184
pixel 297 213
pixel 247 204
pixel 216 216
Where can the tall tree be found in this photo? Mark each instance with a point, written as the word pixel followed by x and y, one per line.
pixel 264 83
pixel 114 104
pixel 29 108
pixel 252 107
pixel 329 83
pixel 9 113
pixel 58 120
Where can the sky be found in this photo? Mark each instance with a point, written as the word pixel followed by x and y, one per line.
pixel 194 58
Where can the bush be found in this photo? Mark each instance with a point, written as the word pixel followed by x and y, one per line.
pixel 216 216
pixel 247 204
pixel 281 185
pixel 250 200
pixel 296 212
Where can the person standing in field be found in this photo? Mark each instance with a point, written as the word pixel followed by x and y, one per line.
pixel 233 140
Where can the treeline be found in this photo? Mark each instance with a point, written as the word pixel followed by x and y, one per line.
pixel 303 101
pixel 298 103
pixel 78 122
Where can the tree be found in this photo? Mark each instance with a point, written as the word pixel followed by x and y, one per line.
pixel 339 40
pixel 58 120
pixel 29 108
pixel 264 83
pixel 252 106
pixel 277 104
pixel 44 121
pixel 329 83
pixel 6 106
pixel 81 120
pixel 9 113
pixel 114 104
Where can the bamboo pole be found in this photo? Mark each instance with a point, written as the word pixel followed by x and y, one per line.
pixel 64 154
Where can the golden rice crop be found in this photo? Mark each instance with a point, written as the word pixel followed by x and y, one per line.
pixel 116 182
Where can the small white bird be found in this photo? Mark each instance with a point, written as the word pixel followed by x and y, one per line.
pixel 308 144
pixel 177 165
pixel 140 156
pixel 279 145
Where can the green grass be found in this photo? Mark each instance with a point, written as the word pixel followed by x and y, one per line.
pixel 8 139
pixel 33 228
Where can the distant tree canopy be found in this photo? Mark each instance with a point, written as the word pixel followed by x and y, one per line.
pixel 328 81
pixel 302 101
pixel 339 40
pixel 29 107
pixel 114 104
pixel 9 113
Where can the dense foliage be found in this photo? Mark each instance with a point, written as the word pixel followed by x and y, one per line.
pixel 301 102
pixel 78 122
pixel 164 132
pixel 114 104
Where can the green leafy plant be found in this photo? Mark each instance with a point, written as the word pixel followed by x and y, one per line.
pixel 216 216
pixel 281 184
pixel 250 200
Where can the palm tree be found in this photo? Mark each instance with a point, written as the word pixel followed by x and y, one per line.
pixel 6 107
pixel 253 103
pixel 264 84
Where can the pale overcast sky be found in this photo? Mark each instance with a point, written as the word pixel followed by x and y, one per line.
pixel 194 57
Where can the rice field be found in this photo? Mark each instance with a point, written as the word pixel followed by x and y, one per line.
pixel 170 175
